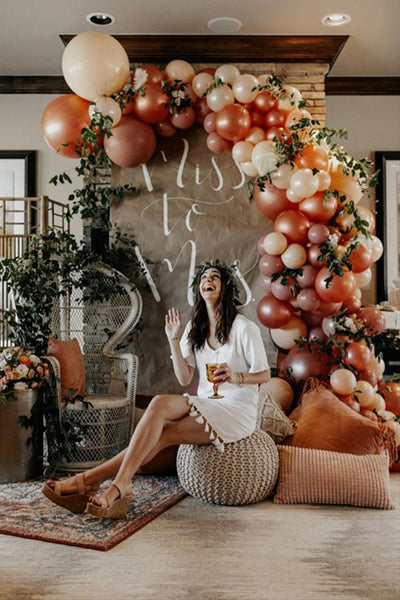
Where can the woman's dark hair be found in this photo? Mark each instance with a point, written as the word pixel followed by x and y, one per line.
pixel 226 308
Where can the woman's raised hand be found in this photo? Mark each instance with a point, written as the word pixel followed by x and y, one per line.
pixel 173 324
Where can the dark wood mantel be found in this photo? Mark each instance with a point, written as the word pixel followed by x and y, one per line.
pixel 160 49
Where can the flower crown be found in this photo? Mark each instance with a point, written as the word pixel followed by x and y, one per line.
pixel 221 265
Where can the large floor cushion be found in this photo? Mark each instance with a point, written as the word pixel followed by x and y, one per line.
pixel 246 472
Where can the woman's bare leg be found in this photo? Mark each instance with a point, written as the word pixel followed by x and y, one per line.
pixel 164 423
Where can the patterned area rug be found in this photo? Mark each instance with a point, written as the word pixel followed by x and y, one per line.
pixel 26 512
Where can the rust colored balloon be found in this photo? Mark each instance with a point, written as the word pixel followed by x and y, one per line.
pixel 233 122
pixel 271 201
pixel 302 364
pixel 133 143
pixel 306 278
pixel 325 309
pixel 183 119
pixel 62 122
pixel 312 157
pixel 257 118
pixel 352 303
pixel 368 375
pixel 318 208
pixel 294 225
pixel 153 106
pixel 273 313
pixel 391 394
pixel 373 319
pixel 358 355
pixel 264 102
pixel 154 74
pixel 201 109
pixel 275 118
pixel 165 128
pixel 315 257
pixel 269 264
pixel 360 259
pixel 350 401
pixel 332 287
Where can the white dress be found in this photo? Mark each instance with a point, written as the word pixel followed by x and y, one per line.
pixel 234 416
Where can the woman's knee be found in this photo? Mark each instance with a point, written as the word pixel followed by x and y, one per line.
pixel 159 405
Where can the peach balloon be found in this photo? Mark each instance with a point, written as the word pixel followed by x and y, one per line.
pixel 275 243
pixel 241 151
pixel 281 391
pixel 255 135
pixel 180 70
pixel 95 64
pixel 281 176
pixel 108 108
pixel 343 381
pixel 245 88
pixel 201 82
pixel 294 256
pixel 285 336
pixel 364 393
pixel 312 157
pixel 220 97
pixel 227 73
pixel 304 183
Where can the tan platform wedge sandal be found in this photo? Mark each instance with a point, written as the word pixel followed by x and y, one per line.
pixel 74 501
pixel 116 510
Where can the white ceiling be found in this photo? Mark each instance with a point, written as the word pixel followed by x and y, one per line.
pixel 30 29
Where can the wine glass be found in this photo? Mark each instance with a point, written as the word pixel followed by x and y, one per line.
pixel 211 367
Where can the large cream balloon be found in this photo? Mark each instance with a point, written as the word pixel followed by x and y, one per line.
pixel 95 64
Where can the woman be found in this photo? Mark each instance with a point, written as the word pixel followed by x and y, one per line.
pixel 217 333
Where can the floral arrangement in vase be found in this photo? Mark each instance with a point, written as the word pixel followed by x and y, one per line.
pixel 20 370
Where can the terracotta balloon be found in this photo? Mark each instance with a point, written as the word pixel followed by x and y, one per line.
pixel 62 122
pixel 294 225
pixel 391 394
pixel 310 319
pixel 372 318
pixel 281 391
pixel 264 101
pixel 308 299
pixel 154 74
pixel 271 201
pixel 318 234
pixel 285 336
pixel 201 109
pixel 132 143
pixel 352 303
pixel 357 355
pixel 272 312
pixel 316 334
pixel 233 122
pixel 153 106
pixel 318 208
pixel 306 278
pixel 216 143
pixel 283 291
pixel 360 258
pixel 332 287
pixel 368 375
pixel 165 128
pixel 343 381
pixel 327 308
pixel 269 264
pixel 183 119
pixel 302 364
pixel 275 118
pixel 95 64
pixel 312 157
pixel 315 256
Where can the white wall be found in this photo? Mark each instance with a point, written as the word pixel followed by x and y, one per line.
pixel 373 123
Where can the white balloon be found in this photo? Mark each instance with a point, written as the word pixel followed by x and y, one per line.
pixel 220 97
pixel 324 181
pixel 304 183
pixel 227 73
pixel 263 157
pixel 376 248
pixel 263 79
pixel 293 197
pixel 364 278
pixel 281 177
pixel 249 169
pixel 201 82
pixel 245 88
pixel 291 98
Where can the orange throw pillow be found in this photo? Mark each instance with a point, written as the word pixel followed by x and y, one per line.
pixel 72 365
pixel 326 423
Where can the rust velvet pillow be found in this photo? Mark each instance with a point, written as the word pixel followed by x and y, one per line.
pixel 72 366
pixel 326 423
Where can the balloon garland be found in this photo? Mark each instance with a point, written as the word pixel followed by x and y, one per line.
pixel 319 255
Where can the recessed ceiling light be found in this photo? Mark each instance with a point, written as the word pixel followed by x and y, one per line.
pixel 100 19
pixel 336 19
pixel 224 24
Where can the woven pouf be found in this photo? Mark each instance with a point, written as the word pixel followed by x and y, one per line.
pixel 244 473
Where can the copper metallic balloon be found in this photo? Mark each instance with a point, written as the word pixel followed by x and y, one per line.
pixel 271 201
pixel 233 122
pixel 153 106
pixel 62 122
pixel 272 312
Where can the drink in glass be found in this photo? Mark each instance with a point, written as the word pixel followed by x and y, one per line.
pixel 211 367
